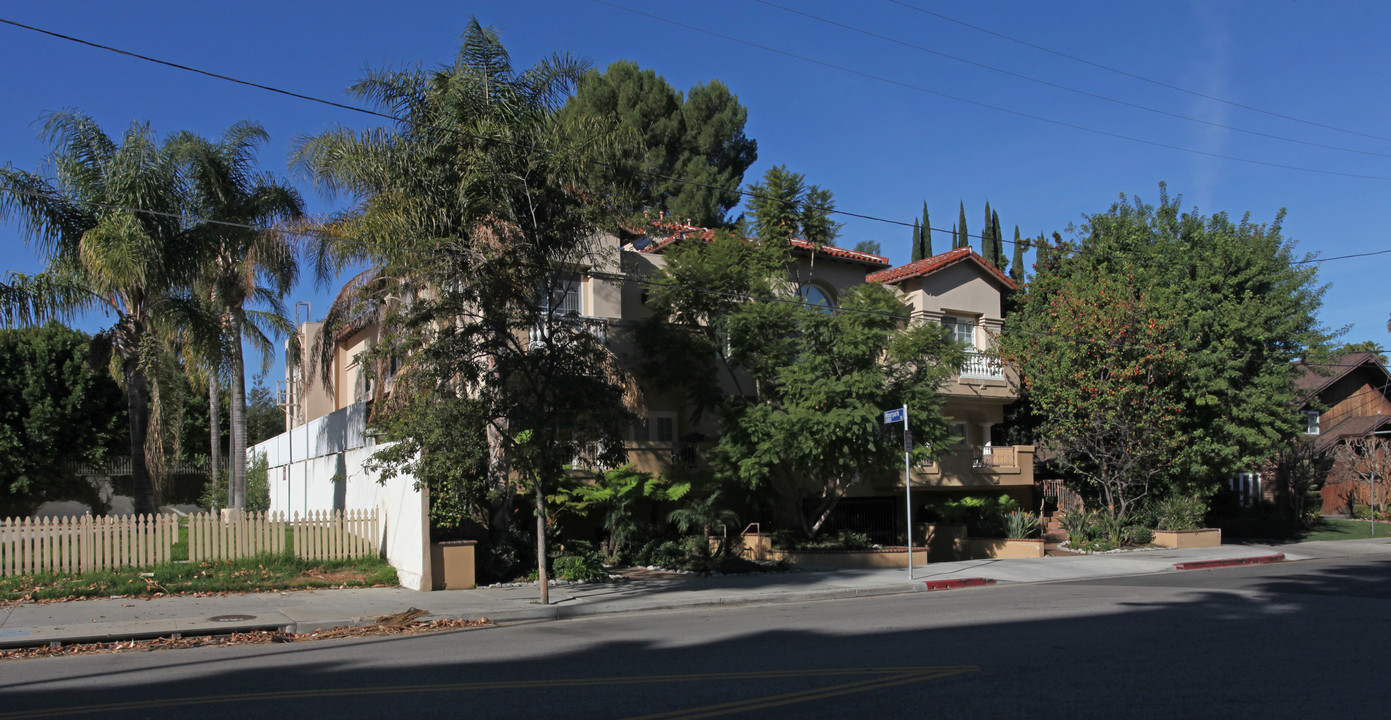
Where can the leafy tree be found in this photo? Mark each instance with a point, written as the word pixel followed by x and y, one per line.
pixel 477 222
pixel 699 139
pixel 247 271
pixel 870 247
pixel 103 256
pixel 784 206
pixel 823 380
pixel 1224 303
pixel 1360 347
pixel 56 409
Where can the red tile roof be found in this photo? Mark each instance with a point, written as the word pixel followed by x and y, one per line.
pixel 680 232
pixel 927 266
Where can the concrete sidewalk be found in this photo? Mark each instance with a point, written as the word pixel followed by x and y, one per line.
pixel 32 624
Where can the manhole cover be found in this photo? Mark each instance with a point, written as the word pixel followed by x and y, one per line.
pixel 232 618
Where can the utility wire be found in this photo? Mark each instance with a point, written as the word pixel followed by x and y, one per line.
pixel 1085 93
pixel 977 103
pixel 398 119
pixel 1142 78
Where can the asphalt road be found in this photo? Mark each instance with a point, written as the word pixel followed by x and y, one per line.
pixel 1298 640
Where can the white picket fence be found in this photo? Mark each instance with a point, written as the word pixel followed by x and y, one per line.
pixel 83 544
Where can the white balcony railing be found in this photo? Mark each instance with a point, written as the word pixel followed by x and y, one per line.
pixel 598 327
pixel 978 365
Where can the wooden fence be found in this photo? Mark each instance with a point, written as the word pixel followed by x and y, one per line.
pixel 84 544
pixel 322 535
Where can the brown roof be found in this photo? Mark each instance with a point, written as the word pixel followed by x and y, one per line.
pixel 680 232
pixel 1356 426
pixel 1312 379
pixel 927 266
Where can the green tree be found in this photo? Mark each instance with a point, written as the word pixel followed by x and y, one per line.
pixel 1360 347
pixel 963 238
pixel 922 237
pixel 870 247
pixel 1235 304
pixel 997 243
pixel 783 206
pixel 823 379
pixel 477 222
pixel 693 151
pixel 1016 268
pixel 917 241
pixel 248 270
pixel 104 254
pixel 58 410
pixel 987 238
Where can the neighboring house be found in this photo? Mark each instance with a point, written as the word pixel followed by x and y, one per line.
pixel 958 289
pixel 1353 401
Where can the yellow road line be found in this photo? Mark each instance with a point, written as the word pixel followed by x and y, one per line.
pixel 890 675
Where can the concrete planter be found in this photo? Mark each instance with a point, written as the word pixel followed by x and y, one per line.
pixel 1204 537
pixel 452 565
pixel 982 548
pixel 853 559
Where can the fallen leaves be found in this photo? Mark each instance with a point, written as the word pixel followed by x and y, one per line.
pixel 406 622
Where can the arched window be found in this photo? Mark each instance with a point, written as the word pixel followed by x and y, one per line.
pixel 815 295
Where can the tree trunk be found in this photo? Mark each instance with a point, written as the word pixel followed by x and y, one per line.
pixel 138 409
pixel 541 544
pixel 215 431
pixel 237 451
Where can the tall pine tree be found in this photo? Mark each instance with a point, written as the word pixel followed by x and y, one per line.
pixel 962 238
pixel 997 239
pixel 925 241
pixel 1016 270
pixel 917 241
pixel 987 242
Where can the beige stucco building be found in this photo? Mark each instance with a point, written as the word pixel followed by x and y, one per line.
pixel 958 289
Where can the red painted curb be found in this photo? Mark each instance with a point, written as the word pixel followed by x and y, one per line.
pixel 1235 562
pixel 952 584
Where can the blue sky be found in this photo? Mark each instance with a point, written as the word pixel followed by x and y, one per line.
pixel 855 113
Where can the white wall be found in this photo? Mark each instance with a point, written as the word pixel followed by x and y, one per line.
pixel 318 466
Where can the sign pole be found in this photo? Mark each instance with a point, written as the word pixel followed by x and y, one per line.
pixel 908 486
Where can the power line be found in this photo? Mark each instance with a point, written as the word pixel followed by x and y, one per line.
pixel 977 103
pixel 1059 86
pixel 1135 76
pixel 398 119
pixel 740 192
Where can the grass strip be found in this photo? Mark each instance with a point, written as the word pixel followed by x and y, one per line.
pixel 254 574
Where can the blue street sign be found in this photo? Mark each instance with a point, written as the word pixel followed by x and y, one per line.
pixel 893 416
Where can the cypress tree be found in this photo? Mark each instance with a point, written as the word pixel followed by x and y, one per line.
pixel 955 238
pixel 917 241
pixel 987 242
pixel 997 240
pixel 926 233
pixel 962 239
pixel 1016 271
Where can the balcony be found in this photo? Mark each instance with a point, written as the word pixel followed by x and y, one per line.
pixel 980 366
pixel 978 467
pixel 539 335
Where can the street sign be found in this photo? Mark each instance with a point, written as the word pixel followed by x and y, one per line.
pixel 893 416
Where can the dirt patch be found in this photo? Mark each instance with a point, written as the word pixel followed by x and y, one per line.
pixel 402 623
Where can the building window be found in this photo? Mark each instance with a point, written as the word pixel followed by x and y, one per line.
pixel 816 297
pixel 565 296
pixel 963 330
pixel 659 427
pixel 1311 422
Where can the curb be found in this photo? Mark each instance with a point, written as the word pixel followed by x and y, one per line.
pixel 1232 562
pixel 931 585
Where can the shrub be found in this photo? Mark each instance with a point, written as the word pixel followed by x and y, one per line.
pixel 1180 512
pixel 579 567
pixel 1138 535
pixel 1020 524
pixel 1078 524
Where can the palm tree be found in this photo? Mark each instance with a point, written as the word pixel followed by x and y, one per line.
pixel 251 264
pixel 108 225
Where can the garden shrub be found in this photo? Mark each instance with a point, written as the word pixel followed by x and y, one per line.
pixel 579 568
pixel 1138 535
pixel 1020 524
pixel 1180 512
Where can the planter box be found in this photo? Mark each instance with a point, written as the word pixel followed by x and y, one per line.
pixel 852 559
pixel 982 548
pixel 452 565
pixel 1205 537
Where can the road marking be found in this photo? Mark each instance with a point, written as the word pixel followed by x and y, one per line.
pixel 879 678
